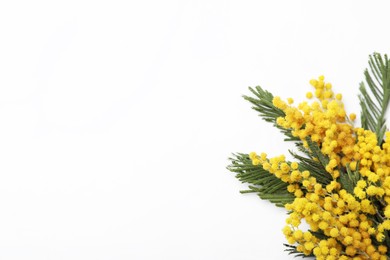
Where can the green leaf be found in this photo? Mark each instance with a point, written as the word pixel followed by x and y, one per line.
pixel 262 103
pixel 315 162
pixel 265 184
pixel 292 250
pixel 349 179
pixel 375 95
pixel 315 153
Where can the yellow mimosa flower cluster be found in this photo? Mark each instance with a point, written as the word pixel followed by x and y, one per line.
pixel 341 224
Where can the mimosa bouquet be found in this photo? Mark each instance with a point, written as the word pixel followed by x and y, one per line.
pixel 338 182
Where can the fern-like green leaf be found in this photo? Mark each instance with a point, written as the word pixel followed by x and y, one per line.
pixel 262 103
pixel 315 168
pixel 375 95
pixel 314 161
pixel 349 179
pixel 292 250
pixel 260 181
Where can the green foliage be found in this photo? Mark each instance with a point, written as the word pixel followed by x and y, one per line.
pixel 292 250
pixel 262 103
pixel 265 184
pixel 315 162
pixel 314 167
pixel 349 179
pixel 375 95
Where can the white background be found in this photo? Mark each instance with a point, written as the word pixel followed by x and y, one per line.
pixel 117 119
